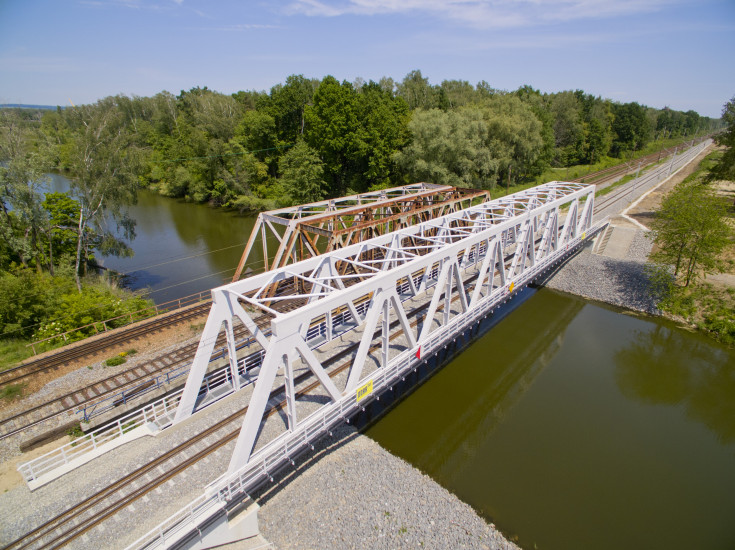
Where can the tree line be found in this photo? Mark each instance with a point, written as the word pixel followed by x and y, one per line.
pixel 308 139
pixel 693 229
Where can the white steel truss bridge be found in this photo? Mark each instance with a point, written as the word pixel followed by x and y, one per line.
pixel 362 301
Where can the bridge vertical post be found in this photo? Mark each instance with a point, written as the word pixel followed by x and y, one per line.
pixel 290 391
pixel 232 352
pixel 448 292
pixel 386 332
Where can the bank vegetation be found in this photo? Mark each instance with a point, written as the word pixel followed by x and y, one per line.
pixel 693 269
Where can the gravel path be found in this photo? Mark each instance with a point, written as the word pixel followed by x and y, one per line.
pixel 352 493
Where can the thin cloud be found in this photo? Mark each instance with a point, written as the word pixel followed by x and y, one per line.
pixel 134 4
pixel 482 13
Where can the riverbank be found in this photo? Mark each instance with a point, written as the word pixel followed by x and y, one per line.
pixel 352 493
pixel 619 281
pixel 612 268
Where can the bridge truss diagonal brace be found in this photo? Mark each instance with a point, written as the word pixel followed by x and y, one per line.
pixel 280 354
pixel 381 304
pixel 492 262
pixel 449 277
pixel 224 308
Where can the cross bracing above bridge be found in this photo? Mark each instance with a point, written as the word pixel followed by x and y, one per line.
pixel 308 230
pixel 386 304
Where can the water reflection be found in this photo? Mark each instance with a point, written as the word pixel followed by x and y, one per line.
pixel 664 365
pixel 180 248
pixel 574 426
pixel 504 363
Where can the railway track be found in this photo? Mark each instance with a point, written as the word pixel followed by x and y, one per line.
pixel 612 173
pixel 605 201
pixel 55 361
pixel 105 503
pixel 69 402
pixel 113 385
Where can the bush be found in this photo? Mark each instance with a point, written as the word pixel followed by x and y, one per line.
pixel 115 361
pixel 37 305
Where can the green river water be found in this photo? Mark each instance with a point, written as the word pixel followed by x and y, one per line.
pixel 574 426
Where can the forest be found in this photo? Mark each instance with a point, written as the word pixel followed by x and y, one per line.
pixel 303 140
pixel 308 139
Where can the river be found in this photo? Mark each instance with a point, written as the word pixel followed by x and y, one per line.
pixel 569 425
pixel 573 426
pixel 180 247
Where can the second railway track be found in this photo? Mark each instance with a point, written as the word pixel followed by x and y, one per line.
pixel 84 349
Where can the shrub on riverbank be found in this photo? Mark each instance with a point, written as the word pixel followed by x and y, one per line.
pixel 694 234
pixel 35 306
pixel 708 308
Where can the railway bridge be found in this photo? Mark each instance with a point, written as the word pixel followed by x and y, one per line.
pixel 387 304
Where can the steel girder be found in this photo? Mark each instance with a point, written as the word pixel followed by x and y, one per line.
pixel 500 242
pixel 310 229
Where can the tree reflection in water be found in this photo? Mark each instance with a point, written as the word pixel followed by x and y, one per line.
pixel 667 366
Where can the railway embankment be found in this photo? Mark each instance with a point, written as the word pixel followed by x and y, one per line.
pixel 612 268
pixel 352 493
pixel 618 278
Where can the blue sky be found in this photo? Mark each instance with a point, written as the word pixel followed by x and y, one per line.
pixel 676 53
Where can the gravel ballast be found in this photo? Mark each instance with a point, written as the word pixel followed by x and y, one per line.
pixel 619 282
pixel 352 493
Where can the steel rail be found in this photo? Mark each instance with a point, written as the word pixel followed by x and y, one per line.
pixel 52 362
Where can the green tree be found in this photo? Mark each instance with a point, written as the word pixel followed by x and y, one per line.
pixel 23 170
pixel 417 91
pixel 568 128
pixel 287 105
pixel 514 137
pixel 630 127
pixel 302 174
pixel 382 130
pixel 331 129
pixel 63 214
pixel 102 165
pixel 449 148
pixel 691 231
pixel 725 168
